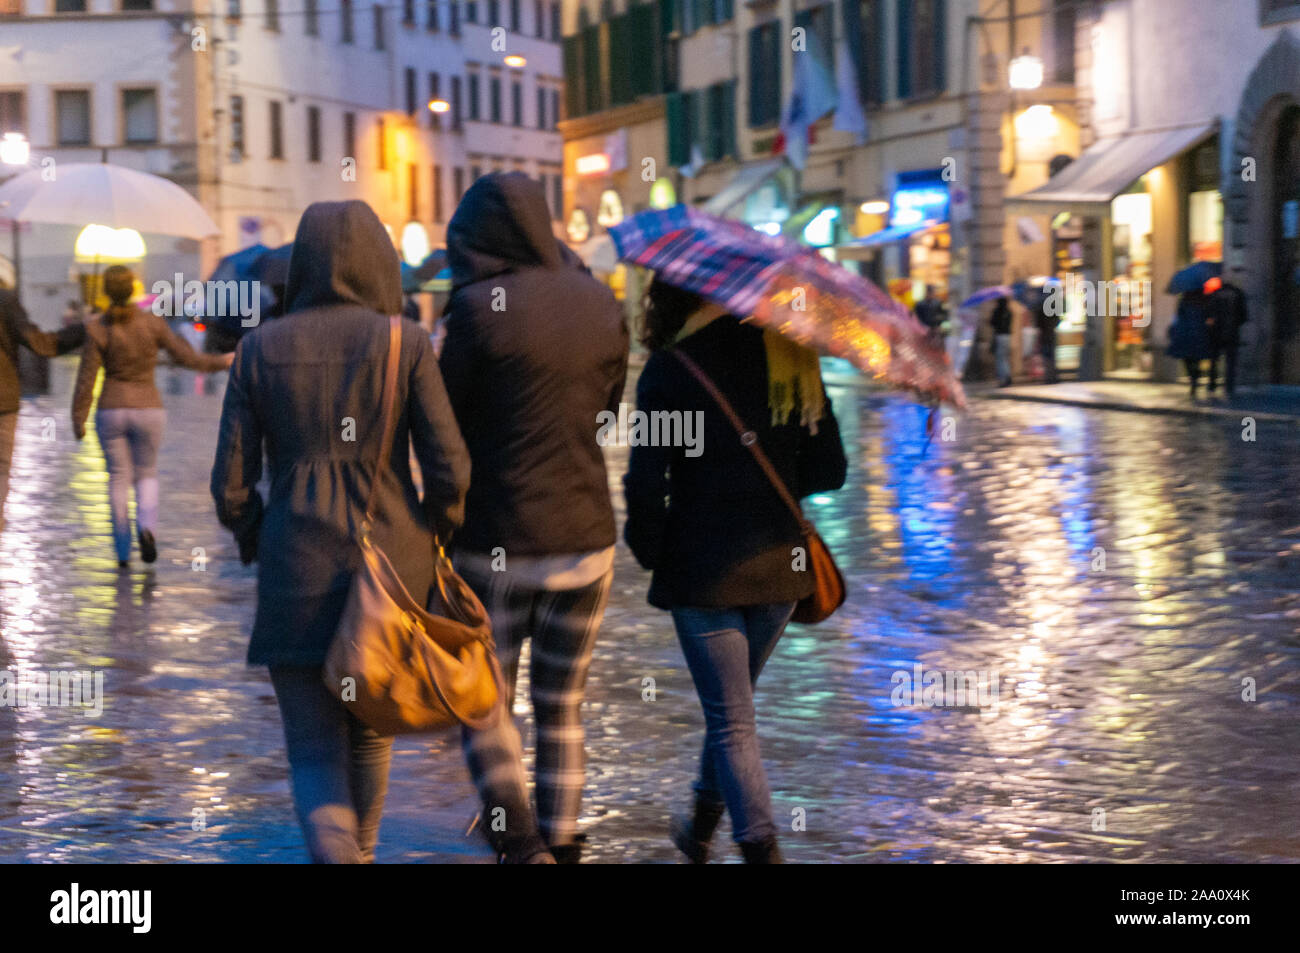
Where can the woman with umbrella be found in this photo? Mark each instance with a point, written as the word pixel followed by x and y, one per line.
pixel 718 538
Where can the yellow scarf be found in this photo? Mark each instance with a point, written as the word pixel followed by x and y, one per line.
pixel 794 375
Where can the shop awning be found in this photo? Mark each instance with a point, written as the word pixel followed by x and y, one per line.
pixel 886 235
pixel 744 183
pixel 1108 167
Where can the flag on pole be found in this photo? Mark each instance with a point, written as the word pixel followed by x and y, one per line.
pixel 812 97
pixel 849 116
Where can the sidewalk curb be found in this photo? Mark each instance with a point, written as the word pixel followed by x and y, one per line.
pixel 1226 412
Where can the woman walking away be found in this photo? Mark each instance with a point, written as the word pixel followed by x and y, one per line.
pixel 307 389
pixel 722 544
pixel 1189 335
pixel 124 340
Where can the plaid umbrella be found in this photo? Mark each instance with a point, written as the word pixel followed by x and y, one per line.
pixel 792 289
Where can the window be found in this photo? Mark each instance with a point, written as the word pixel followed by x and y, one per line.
pixel 69 6
pixel 555 22
pixel 408 12
pixel 473 97
pixel 345 15
pixel 555 107
pixel 458 182
pixel 435 92
pixel 381 142
pixel 921 66
pixel 539 19
pixel 237 150
pixel 13 111
pixel 455 103
pixel 557 195
pixel 313 133
pixel 494 98
pixel 1063 19
pixel 310 18
pixel 72 108
pixel 413 191
pixel 350 135
pixel 516 16
pixel 818 22
pixel 137 4
pixel 541 107
pixel 494 13
pixel 455 17
pixel 765 74
pixel 471 11
pixel 411 94
pixel 139 116
pixel 272 13
pixel 277 130
pixel 516 103
pixel 474 171
pixel 864 29
pixel 378 14
pixel 233 10
pixel 436 185
pixel 431 16
pixel 1278 11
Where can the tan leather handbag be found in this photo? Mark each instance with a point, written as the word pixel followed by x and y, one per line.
pixel 399 667
pixel 828 584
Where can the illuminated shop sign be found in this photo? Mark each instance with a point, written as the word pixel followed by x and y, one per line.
pixel 919 198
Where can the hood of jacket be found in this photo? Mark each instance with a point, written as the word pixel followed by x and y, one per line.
pixel 343 255
pixel 501 225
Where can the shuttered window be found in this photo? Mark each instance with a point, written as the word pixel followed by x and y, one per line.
pixel 765 74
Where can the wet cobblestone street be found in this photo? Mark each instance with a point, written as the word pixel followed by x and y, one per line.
pixel 1120 574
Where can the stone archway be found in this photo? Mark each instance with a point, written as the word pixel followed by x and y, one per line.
pixel 1250 199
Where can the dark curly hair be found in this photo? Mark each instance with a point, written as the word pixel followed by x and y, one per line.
pixel 665 310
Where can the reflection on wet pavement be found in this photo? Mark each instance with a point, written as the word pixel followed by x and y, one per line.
pixel 1122 579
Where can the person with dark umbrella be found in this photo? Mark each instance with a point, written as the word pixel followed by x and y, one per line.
pixel 1225 307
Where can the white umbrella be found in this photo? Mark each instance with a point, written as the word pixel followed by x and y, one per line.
pixel 81 193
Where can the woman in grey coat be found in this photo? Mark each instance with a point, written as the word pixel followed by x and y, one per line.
pixel 306 388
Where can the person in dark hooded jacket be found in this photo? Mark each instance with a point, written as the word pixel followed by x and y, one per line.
pixel 307 388
pixel 535 349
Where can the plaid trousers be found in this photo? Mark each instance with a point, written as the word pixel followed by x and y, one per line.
pixel 563 625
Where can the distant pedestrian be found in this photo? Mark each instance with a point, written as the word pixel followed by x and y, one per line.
pixel 1002 340
pixel 15 330
pixel 1189 335
pixel 535 349
pixel 1226 312
pixel 124 341
pixel 718 537
pixel 1046 319
pixel 931 312
pixel 306 389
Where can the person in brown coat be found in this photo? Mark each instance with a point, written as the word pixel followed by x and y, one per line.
pixel 125 341
pixel 16 330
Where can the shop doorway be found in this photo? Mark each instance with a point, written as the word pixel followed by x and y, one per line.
pixel 1286 250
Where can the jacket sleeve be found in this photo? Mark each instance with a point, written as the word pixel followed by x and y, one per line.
pixel 439 447
pixel 83 393
pixel 44 343
pixel 180 350
pixel 822 464
pixel 620 375
pixel 646 485
pixel 238 464
pixel 457 363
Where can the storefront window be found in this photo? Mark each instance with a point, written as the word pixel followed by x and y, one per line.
pixel 1131 221
pixel 1205 225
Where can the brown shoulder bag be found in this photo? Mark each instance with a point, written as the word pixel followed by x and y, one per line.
pixel 828 584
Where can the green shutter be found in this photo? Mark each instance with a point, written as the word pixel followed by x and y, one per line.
pixel 620 60
pixel 591 70
pixel 729 118
pixel 904 49
pixel 641 46
pixel 679 141
pixel 574 103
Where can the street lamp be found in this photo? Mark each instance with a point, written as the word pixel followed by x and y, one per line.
pixel 14 149
pixel 1026 71
pixel 439 105
pixel 515 61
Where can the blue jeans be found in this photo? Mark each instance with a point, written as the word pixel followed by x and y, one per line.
pixel 130 437
pixel 338 766
pixel 725 650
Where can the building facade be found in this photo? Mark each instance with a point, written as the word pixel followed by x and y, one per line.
pixel 260 107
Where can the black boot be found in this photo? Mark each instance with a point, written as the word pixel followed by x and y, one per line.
pixel 511 848
pixel 692 834
pixel 148 546
pixel 762 852
pixel 570 853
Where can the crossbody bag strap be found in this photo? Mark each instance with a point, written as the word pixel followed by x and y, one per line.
pixel 747 437
pixel 389 416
